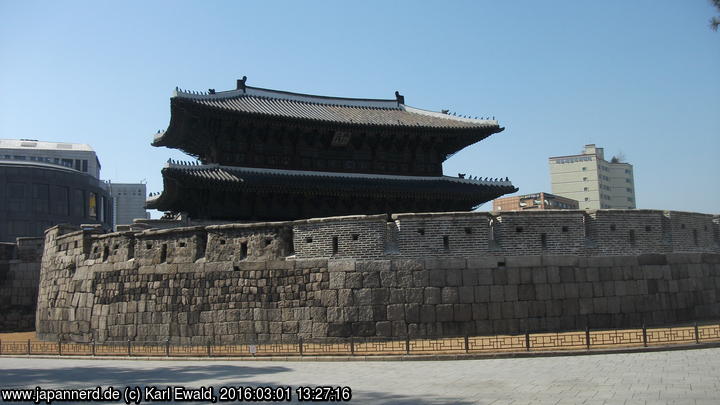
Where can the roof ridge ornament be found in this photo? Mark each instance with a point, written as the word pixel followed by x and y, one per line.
pixel 241 84
pixel 399 97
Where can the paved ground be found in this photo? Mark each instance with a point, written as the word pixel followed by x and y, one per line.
pixel 682 377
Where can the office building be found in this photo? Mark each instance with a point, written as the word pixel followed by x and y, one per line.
pixel 43 184
pixel 593 181
pixel 129 202
pixel 80 157
pixel 536 201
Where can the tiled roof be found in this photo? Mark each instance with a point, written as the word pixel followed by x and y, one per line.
pixel 254 100
pixel 294 181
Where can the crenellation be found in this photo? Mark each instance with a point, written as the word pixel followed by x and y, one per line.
pixel 379 276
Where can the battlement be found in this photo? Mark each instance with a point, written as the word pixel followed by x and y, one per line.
pixel 370 237
pixel 437 274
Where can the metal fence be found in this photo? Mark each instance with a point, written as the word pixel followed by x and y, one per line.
pixel 576 340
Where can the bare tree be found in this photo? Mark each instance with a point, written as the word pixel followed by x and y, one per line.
pixel 715 21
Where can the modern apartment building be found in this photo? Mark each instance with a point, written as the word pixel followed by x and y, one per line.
pixel 129 200
pixel 593 181
pixel 536 201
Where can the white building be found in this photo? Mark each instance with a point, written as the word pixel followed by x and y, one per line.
pixel 129 200
pixel 593 181
pixel 80 157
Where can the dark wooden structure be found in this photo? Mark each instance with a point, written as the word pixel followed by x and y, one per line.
pixel 274 155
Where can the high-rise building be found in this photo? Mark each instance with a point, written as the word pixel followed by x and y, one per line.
pixel 47 183
pixel 129 200
pixel 593 181
pixel 80 157
pixel 536 201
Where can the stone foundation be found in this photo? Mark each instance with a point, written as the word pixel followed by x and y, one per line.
pixel 420 275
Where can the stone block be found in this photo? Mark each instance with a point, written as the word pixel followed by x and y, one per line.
pixel 388 279
pixel 365 313
pixel 363 296
pixel 510 292
pixel 482 293
pixel 444 312
pixel 339 329
pixel 380 296
pixel 318 314
pixel 353 280
pixel 412 313
pixel 406 265
pixel 311 264
pixel 345 297
pixel 396 312
pixel 560 261
pixel 485 276
pixel 495 310
pixel 466 294
pixel 462 312
pixel 373 266
pixel 453 277
pixel 526 292
pixel 383 328
pixel 497 293
pixel 364 329
pixel 542 292
pixel 469 277
pixel 337 279
pixel 404 279
pixel 500 276
pixel 398 296
pixel 523 261
pixel 370 279
pixel 585 290
pixel 445 263
pixel 432 295
pixel 450 295
pixel 539 276
pixel 329 298
pixel 414 295
pixel 484 262
pixel 421 279
pixel 479 311
pixel 436 278
pixel 652 259
pixel 335 314
pixel 341 265
pixel 427 313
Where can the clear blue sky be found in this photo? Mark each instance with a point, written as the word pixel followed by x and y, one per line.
pixel 637 77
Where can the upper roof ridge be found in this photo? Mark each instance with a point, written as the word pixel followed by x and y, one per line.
pixel 290 96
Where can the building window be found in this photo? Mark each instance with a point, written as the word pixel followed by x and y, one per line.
pixel 584 178
pixel 93 206
pixel 584 168
pixel 587 199
pixel 84 165
pixel 585 189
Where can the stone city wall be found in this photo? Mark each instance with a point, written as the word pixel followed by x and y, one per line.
pixel 19 280
pixel 418 275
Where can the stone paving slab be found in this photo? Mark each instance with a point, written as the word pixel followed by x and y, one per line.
pixel 671 377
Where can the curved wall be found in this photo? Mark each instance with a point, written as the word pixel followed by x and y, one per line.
pixel 35 196
pixel 417 274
